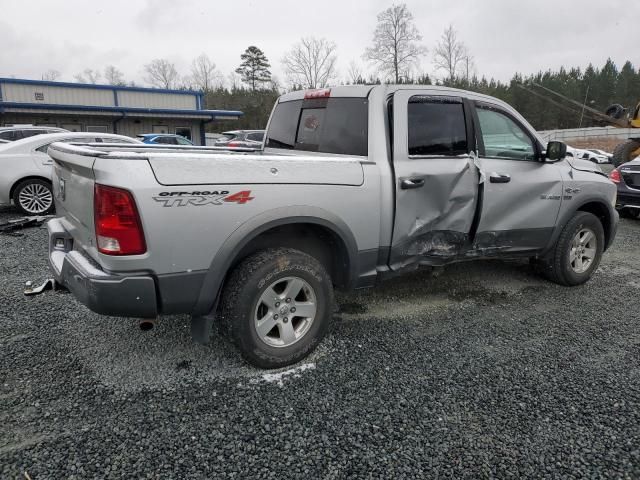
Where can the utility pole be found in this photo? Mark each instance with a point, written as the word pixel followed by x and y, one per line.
pixel 583 106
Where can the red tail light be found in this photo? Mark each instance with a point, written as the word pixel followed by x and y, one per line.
pixel 321 93
pixel 233 144
pixel 614 176
pixel 118 226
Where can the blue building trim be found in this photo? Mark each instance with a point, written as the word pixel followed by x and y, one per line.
pixel 21 81
pixel 124 110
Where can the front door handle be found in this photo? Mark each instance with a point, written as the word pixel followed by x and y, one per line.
pixel 409 183
pixel 499 178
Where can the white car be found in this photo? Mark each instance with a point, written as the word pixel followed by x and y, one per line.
pixel 25 168
pixel 593 155
pixel 599 156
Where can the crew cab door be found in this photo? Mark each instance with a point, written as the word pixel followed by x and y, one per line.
pixel 436 180
pixel 521 195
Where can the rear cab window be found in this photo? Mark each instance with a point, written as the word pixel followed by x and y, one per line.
pixel 336 125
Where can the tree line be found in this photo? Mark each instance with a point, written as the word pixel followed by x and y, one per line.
pixel 395 54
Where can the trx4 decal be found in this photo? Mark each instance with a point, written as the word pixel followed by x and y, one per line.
pixel 200 198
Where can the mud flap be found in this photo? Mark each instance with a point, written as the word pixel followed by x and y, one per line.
pixel 201 328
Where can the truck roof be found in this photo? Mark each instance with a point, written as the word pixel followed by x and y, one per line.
pixel 355 91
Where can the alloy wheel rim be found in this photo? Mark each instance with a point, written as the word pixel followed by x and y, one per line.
pixel 35 198
pixel 285 312
pixel 583 250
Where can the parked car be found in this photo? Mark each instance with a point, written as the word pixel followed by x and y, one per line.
pixel 599 156
pixel 164 139
pixel 627 179
pixel 241 138
pixel 25 168
pixel 18 132
pixel 354 185
pixel 595 156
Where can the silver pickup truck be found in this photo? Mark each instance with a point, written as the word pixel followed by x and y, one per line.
pixel 353 184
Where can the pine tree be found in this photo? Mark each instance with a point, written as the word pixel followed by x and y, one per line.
pixel 254 69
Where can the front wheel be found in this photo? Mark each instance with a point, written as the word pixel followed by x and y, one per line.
pixel 277 306
pixel 34 197
pixel 577 252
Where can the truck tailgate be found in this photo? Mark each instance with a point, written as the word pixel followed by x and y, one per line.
pixel 73 184
pixel 229 169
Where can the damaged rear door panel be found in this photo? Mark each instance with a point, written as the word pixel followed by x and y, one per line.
pixel 521 195
pixel 436 178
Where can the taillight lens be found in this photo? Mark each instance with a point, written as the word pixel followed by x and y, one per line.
pixel 233 144
pixel 614 176
pixel 118 226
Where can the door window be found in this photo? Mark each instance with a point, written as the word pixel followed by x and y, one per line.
pixel 436 126
pixel 503 137
pixel 184 132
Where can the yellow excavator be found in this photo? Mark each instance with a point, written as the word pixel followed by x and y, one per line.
pixel 616 115
pixel 620 117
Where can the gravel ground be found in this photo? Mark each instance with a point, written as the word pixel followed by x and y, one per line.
pixel 484 371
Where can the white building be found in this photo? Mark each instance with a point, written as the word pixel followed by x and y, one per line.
pixel 104 108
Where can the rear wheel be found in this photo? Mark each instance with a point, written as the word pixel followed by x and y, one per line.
pixel 277 306
pixel 34 197
pixel 625 152
pixel 577 252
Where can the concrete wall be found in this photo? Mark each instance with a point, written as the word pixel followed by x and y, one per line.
pixel 573 134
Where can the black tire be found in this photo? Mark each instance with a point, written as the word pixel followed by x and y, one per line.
pixel 40 193
pixel 624 152
pixel 629 212
pixel 556 266
pixel 242 298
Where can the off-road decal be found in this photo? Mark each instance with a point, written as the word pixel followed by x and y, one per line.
pixel 201 198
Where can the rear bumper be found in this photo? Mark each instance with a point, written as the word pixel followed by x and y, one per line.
pixel 627 197
pixel 102 292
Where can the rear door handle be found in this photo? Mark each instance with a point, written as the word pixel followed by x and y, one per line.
pixel 499 178
pixel 409 183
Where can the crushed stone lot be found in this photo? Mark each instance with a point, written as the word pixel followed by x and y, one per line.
pixel 485 371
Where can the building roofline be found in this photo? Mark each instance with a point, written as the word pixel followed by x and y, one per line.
pixel 47 83
pixel 123 110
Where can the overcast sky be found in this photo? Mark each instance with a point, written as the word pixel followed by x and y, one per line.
pixel 504 36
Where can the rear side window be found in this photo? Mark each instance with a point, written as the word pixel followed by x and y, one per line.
pixel 436 126
pixel 327 125
pixel 256 137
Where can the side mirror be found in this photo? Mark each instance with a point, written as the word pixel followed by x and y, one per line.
pixel 555 151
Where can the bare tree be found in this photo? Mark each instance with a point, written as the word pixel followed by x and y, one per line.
pixel 113 76
pixel 451 54
pixel 51 75
pixel 88 76
pixel 395 46
pixel 311 63
pixel 161 73
pixel 355 73
pixel 204 75
pixel 234 81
